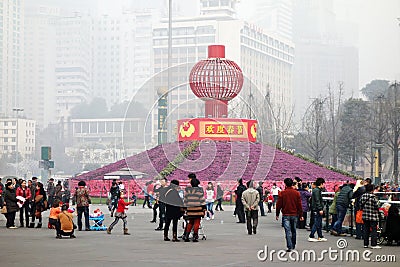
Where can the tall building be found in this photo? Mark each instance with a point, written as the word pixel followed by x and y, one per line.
pixel 39 95
pixel 74 62
pixel 276 16
pixel 11 54
pixel 265 58
pixel 122 49
pixel 323 57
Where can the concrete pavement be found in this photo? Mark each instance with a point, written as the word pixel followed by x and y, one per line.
pixel 227 244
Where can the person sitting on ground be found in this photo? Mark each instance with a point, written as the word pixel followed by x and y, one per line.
pixel 65 227
pixel 54 212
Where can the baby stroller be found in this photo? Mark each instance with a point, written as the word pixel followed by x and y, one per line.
pixel 202 233
pixel 388 230
pixel 97 223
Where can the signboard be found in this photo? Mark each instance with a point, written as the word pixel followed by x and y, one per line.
pixel 222 129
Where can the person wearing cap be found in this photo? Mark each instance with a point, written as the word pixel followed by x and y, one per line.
pixel 65 227
pixel 82 205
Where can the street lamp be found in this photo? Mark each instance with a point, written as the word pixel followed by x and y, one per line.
pixel 16 140
pixel 378 164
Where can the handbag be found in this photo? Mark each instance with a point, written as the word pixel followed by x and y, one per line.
pixel 3 209
pixel 359 219
pixel 359 213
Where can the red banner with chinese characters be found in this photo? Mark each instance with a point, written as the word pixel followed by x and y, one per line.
pixel 222 129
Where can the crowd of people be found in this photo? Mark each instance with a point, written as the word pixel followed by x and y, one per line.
pixel 301 205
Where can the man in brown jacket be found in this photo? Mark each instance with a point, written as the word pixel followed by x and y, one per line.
pixel 250 199
pixel 289 202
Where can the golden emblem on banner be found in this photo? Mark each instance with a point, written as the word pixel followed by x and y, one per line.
pixel 190 129
pixel 253 130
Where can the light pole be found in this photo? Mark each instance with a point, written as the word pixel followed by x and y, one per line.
pixel 17 110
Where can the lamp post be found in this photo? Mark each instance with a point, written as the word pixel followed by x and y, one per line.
pixel 17 110
pixel 378 164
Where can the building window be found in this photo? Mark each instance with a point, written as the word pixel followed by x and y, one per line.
pixel 5 140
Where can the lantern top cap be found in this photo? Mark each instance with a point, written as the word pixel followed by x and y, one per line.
pixel 216 51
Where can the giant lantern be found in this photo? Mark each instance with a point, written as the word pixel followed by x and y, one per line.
pixel 216 80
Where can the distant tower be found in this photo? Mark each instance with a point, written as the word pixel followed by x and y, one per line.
pixel 215 7
pixel 216 80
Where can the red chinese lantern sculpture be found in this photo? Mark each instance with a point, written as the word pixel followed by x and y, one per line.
pixel 216 80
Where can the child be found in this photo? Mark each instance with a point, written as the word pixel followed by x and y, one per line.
pixel 120 214
pixel 134 198
pixel 54 211
pixel 270 200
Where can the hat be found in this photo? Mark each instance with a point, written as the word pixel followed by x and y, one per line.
pixel 81 183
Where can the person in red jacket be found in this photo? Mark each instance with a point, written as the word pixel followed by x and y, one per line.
pixel 120 214
pixel 289 202
pixel 24 192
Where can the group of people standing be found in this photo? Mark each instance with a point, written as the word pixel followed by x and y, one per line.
pixel 29 199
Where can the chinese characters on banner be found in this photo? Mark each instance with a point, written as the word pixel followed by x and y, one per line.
pixel 217 129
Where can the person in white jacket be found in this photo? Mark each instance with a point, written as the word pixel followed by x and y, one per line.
pixel 210 198
pixel 250 199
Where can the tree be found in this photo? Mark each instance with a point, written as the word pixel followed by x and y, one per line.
pixel 393 112
pixel 334 108
pixel 354 131
pixel 128 109
pixel 96 109
pixel 375 88
pixel 315 129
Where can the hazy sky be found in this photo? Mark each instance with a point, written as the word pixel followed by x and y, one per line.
pixel 379 36
pixel 376 20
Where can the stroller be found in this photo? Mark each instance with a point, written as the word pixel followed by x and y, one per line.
pixel 202 233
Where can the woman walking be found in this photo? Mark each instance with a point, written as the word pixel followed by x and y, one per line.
pixel 195 207
pixel 210 201
pixel 24 192
pixel 10 201
pixel 173 204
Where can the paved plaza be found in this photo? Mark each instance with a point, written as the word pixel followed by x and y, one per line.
pixel 227 244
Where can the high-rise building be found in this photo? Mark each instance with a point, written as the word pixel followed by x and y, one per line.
pixel 122 49
pixel 74 62
pixel 276 16
pixel 265 59
pixel 323 58
pixel 11 54
pixel 39 95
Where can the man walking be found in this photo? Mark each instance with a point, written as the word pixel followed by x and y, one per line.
pixel 250 199
pixel 239 209
pixel 317 208
pixel 261 201
pixel 289 203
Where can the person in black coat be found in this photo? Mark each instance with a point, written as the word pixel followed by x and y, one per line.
pixel 10 200
pixel 392 225
pixel 173 207
pixel 239 209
